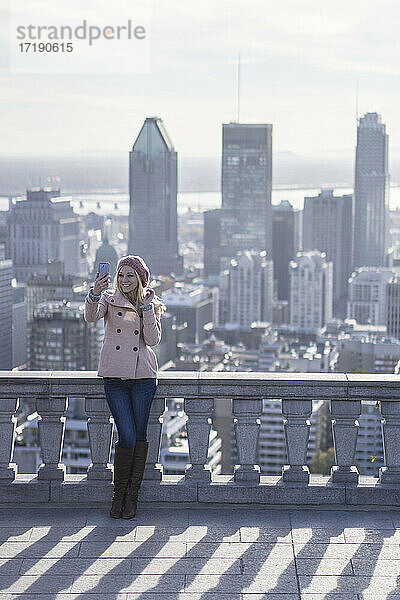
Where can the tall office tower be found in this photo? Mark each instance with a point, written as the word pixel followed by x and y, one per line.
pixel 371 193
pixel 327 226
pixel 285 244
pixel 19 324
pixel 6 312
pixel 393 307
pixel 60 339
pixel 52 285
pixel 311 278
pixel 41 228
pixel 367 295
pixel 246 183
pixel 194 305
pixel 211 244
pixel 153 232
pixel 247 295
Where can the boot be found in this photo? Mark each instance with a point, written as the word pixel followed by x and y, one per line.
pixel 139 463
pixel 122 467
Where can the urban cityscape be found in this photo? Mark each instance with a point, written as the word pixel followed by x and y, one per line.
pixel 216 415
pixel 249 286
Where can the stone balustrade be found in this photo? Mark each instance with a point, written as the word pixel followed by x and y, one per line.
pixel 50 390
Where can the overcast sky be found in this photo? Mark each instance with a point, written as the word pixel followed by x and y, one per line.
pixel 300 60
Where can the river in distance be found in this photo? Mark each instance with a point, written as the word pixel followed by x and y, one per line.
pixel 116 202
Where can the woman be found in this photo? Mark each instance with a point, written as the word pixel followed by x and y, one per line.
pixel 128 365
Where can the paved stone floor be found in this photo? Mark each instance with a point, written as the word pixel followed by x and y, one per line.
pixel 185 552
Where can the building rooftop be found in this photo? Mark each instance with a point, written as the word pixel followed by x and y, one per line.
pixel 196 553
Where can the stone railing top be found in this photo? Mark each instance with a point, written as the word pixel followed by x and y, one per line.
pixel 311 386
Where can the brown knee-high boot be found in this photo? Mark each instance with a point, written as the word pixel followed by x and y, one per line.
pixel 122 468
pixel 139 463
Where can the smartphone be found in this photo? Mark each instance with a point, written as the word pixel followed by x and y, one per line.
pixel 104 267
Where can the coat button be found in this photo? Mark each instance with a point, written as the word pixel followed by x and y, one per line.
pixel 120 314
pixel 136 332
pixel 135 349
pixel 117 347
pixel 112 300
pixel 118 331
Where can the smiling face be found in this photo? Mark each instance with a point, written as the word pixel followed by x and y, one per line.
pixel 127 279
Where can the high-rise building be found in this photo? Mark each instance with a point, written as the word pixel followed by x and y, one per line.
pixel 211 244
pixel 371 193
pixel 60 339
pixel 369 354
pixel 393 307
pixel 246 183
pixel 19 324
pixel 367 295
pixel 285 244
pixel 153 232
pixel 54 284
pixel 194 306
pixel 327 227
pixel 41 228
pixel 6 312
pixel 310 291
pixel 247 290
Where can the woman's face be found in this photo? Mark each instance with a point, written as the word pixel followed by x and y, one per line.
pixel 127 278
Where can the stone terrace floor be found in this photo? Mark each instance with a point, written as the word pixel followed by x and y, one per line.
pixel 187 552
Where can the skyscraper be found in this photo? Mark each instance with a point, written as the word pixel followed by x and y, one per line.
pixel 247 294
pixel 153 199
pixel 371 193
pixel 327 228
pixel 310 291
pixel 6 310
pixel 211 242
pixel 286 242
pixel 246 216
pixel 41 228
pixel 367 295
pixel 393 307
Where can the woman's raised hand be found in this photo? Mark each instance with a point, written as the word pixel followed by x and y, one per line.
pixel 101 283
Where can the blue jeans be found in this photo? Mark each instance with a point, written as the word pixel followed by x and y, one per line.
pixel 130 401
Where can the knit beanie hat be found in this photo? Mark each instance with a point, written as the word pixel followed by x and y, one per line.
pixel 137 263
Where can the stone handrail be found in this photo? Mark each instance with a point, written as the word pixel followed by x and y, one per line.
pixel 50 391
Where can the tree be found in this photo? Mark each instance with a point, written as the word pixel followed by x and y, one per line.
pixel 322 462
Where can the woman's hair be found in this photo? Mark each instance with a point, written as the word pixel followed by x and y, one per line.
pixel 136 297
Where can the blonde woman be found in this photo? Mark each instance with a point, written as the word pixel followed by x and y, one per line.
pixel 129 368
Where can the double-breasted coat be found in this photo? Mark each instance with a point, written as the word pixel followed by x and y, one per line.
pixel 126 351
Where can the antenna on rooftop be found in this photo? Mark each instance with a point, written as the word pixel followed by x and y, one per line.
pixel 357 99
pixel 238 89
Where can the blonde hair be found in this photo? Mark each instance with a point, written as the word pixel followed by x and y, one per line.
pixel 136 296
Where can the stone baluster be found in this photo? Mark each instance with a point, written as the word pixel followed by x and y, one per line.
pixel 153 470
pixel 100 431
pixel 51 425
pixel 8 420
pixel 198 426
pixel 246 426
pixel 296 425
pixel 345 430
pixel 247 423
pixel 390 424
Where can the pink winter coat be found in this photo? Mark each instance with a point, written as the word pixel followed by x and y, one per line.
pixel 126 351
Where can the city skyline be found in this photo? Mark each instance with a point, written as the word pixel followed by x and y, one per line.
pixel 299 71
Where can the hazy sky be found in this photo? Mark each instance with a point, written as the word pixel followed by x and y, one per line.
pixel 300 62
